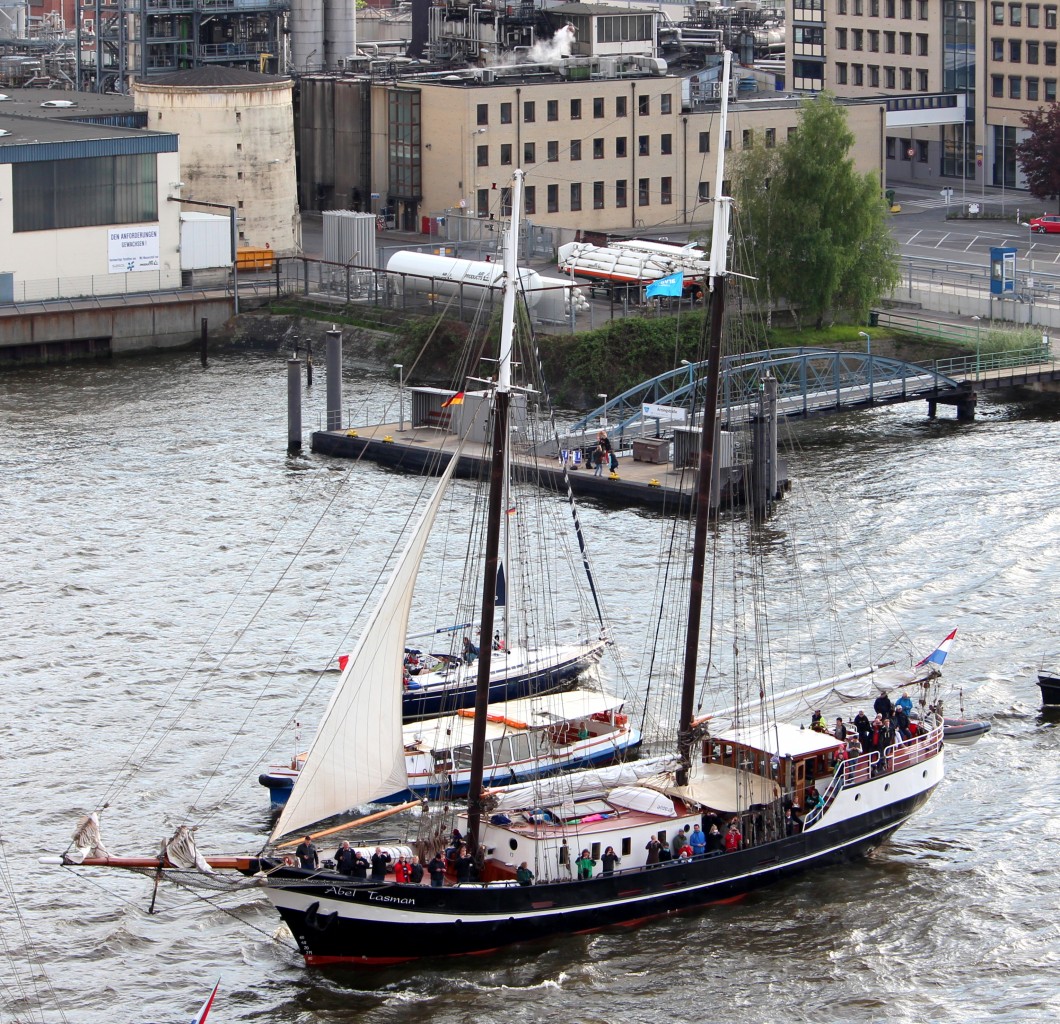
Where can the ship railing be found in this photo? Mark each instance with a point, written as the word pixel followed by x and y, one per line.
pixel 861 769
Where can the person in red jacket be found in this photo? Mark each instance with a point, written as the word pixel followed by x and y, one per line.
pixel 733 839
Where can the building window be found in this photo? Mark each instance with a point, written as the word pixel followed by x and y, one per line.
pixel 921 151
pixel 1050 54
pixel 890 147
pixel 575 110
pixel 620 193
pixel 859 74
pixel 906 42
pixel 921 10
pixel 552 198
pixel 482 113
pixel 704 142
pixel 665 101
pixel 575 195
pixel 907 149
pixel 728 141
pixel 529 153
pixel 530 199
pixel 907 79
pixel 841 6
pixel 771 138
pixel 404 165
pixel 1032 51
pixel 859 39
pixel 874 76
pixel 56 194
pixel 1050 90
pixel 620 106
pixel 997 86
pixel 506 154
pixel 483 156
pixel 598 106
pixel 620 147
pixel 841 74
pixel 888 42
pixel 529 112
pixel 1015 15
pixel 888 9
pixel 792 132
pixel 666 144
pixel 874 41
pixel 874 8
pixel 598 195
pixel 840 38
pixel 666 191
pixel 921 44
pixel 552 110
pixel 997 14
pixel 598 149
pixel 1015 90
pixel 643 146
pixel 1015 51
pixel 1050 16
pixel 1032 89
pixel 643 192
pixel 506 113
pixel 506 201
pixel 888 78
pixel 482 202
pixel 907 9
pixel 703 192
pixel 997 49
pixel 1034 18
pixel 748 138
pixel 921 81
pixel 552 151
pixel 644 106
pixel 575 149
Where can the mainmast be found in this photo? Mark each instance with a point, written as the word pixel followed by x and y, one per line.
pixel 498 470
pixel 719 244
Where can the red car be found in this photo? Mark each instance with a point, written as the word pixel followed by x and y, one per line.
pixel 1047 222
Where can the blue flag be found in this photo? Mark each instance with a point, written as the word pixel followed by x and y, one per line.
pixel 671 285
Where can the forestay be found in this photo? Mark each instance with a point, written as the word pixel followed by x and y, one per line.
pixel 356 755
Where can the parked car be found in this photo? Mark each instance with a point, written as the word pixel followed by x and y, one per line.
pixel 1046 223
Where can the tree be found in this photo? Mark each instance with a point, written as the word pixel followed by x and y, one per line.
pixel 821 238
pixel 1039 153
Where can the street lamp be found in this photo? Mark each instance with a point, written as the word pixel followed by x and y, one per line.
pixel 400 367
pixel 977 350
pixel 868 352
pixel 603 417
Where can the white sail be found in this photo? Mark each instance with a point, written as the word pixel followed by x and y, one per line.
pixel 357 755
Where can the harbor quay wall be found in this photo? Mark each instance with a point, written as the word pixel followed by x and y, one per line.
pixel 58 335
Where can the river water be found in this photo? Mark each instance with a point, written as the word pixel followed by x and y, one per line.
pixel 157 569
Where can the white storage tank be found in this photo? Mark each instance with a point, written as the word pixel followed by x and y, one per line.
pixel 205 241
pixel 448 275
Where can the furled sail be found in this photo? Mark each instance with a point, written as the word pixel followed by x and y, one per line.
pixel 356 755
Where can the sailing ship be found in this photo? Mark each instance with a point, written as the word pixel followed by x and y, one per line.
pixel 754 780
pixel 525 739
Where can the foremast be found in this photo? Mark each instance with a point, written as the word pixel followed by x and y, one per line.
pixel 495 511
pixel 719 244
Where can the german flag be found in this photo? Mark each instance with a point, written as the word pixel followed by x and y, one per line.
pixel 457 399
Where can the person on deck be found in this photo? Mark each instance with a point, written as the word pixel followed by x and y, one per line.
pixel 733 839
pixel 585 865
pixel 678 843
pixel 609 860
pixel 840 730
pixel 817 723
pixel 344 859
pixel 401 871
pixel 863 727
pixel 905 702
pixel 416 871
pixel 360 865
pixel 380 863
pixel 653 847
pixel 436 869
pixel 307 854
pixel 523 874
pixel 882 705
pixel 463 864
pixel 715 841
pixel 698 841
pixel 470 651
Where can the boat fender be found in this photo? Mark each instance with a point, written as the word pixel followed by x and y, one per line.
pixel 317 921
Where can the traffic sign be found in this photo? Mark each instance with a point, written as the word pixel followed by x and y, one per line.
pixel 910 152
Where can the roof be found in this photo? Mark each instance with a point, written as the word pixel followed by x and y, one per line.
pixel 598 9
pixel 781 739
pixel 534 712
pixel 214 76
pixel 40 138
pixel 28 102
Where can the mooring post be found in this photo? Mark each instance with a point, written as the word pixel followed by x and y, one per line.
pixel 334 373
pixel 309 362
pixel 203 335
pixel 294 406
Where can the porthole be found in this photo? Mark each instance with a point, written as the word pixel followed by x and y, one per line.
pixel 887 787
pixel 513 844
pixel 924 774
pixel 857 797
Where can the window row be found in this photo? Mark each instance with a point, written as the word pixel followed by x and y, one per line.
pixel 573 150
pixel 883 8
pixel 576 108
pixel 907 149
pixel 1038 15
pixel 870 39
pixel 1019 51
pixel 769 136
pixel 577 193
pixel 1020 88
pixel 876 77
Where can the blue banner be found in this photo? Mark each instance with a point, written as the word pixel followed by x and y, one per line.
pixel 671 285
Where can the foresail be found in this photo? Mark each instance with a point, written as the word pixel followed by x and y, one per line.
pixel 356 755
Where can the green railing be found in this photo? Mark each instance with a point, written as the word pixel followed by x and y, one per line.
pixel 971 366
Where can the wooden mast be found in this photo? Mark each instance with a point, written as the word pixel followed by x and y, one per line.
pixel 719 244
pixel 498 468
